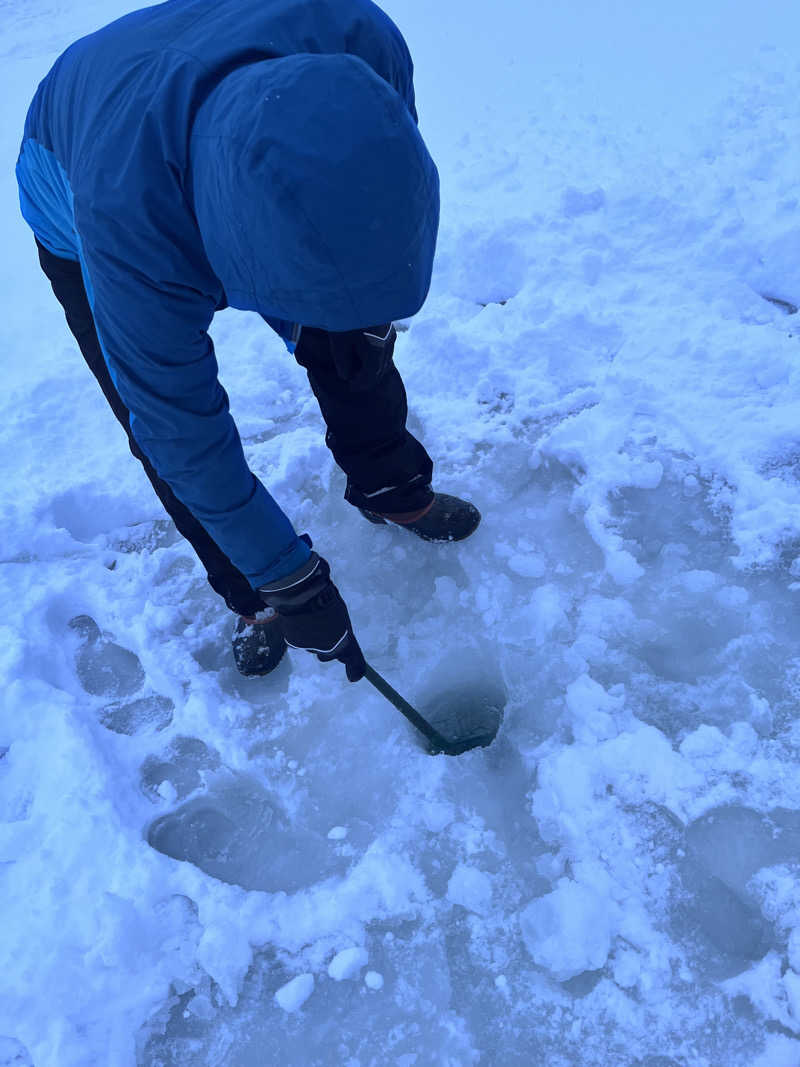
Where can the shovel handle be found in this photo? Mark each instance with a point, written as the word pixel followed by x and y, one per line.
pixel 406 709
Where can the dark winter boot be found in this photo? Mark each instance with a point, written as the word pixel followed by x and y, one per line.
pixel 258 644
pixel 446 518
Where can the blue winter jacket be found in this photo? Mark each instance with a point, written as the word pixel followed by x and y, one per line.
pixel 258 153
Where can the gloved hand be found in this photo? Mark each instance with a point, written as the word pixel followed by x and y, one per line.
pixel 313 615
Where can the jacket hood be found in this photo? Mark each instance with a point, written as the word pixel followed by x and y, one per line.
pixel 314 192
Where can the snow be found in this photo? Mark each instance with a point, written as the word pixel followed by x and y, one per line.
pixel 348 964
pixel 569 931
pixel 188 858
pixel 471 888
pixel 292 996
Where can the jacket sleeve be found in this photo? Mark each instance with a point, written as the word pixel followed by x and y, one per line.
pixel 162 361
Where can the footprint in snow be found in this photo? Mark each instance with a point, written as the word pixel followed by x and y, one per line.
pixel 179 770
pixel 104 667
pixel 135 716
pixel 239 833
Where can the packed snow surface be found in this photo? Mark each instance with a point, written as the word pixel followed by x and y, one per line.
pixel 200 869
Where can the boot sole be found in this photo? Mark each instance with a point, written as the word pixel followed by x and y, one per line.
pixel 272 666
pixel 264 673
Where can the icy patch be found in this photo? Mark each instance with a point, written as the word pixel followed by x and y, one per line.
pixel 724 930
pixel 733 843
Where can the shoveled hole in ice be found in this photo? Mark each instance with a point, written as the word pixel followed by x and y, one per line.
pixel 465 699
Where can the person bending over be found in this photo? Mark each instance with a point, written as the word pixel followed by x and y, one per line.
pixel 262 155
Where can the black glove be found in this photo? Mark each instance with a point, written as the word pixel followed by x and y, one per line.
pixel 313 615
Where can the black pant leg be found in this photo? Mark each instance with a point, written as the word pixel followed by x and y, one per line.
pixel 67 282
pixel 363 401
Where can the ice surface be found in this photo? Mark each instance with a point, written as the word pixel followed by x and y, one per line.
pixel 718 904
pixel 184 764
pixel 733 842
pixel 713 917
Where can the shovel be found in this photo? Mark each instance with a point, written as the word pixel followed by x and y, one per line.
pixel 461 724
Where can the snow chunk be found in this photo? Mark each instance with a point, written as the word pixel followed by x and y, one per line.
pixel 373 980
pixel 527 565
pixel 705 742
pixel 569 930
pixel 295 993
pixel 337 833
pixel 348 963
pixel 592 709
pixel 471 888
pixel 546 613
